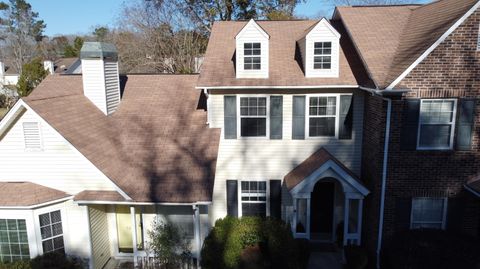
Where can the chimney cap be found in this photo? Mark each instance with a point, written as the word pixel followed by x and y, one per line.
pixel 98 50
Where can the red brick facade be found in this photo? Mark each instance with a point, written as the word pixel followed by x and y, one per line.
pixel 452 70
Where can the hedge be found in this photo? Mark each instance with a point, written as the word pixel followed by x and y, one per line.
pixel 252 242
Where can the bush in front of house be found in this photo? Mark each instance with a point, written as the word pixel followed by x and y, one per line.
pixel 427 248
pixel 356 257
pixel 16 265
pixel 51 260
pixel 251 242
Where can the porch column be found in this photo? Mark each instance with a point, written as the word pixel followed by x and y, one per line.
pixel 360 220
pixel 196 223
pixel 346 215
pixel 134 236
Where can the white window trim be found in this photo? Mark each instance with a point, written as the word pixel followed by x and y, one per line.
pixel 36 220
pixel 337 115
pixel 50 225
pixel 444 218
pixel 239 117
pixel 452 131
pixel 322 55
pixel 267 199
pixel 252 56
pixel 40 137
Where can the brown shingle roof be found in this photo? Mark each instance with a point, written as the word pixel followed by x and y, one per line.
pixel 27 194
pixel 156 147
pixel 312 163
pixel 391 38
pixel 284 66
pixel 62 64
pixel 111 196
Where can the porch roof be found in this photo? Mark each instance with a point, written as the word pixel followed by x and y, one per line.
pixel 311 164
pixel 473 185
pixel 27 194
pixel 103 196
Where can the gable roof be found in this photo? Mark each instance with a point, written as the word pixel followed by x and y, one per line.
pixel 312 163
pixel 156 147
pixel 285 66
pixel 31 194
pixel 391 38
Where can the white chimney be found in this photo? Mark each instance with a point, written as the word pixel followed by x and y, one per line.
pixel 101 83
pixel 48 65
pixel 2 69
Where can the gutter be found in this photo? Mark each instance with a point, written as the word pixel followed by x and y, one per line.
pixel 84 202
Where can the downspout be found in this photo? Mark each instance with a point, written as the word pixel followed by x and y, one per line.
pixel 384 179
pixel 205 91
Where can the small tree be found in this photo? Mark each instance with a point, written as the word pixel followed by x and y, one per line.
pixel 169 246
pixel 74 51
pixel 32 74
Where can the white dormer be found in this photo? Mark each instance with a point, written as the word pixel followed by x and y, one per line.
pixel 252 52
pixel 320 49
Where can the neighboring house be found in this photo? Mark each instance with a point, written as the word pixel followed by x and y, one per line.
pixel 364 125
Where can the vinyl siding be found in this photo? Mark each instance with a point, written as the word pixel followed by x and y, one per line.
pixel 321 33
pixel 99 236
pixel 252 34
pixel 264 159
pixel 57 165
pixel 112 86
pixel 94 83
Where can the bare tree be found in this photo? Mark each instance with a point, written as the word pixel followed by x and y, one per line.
pixel 371 2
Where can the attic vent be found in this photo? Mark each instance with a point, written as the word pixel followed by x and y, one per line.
pixel 31 134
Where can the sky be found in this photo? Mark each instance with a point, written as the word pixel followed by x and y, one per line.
pixel 70 17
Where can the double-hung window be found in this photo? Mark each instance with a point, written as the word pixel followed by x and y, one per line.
pixel 252 56
pixel 254 198
pixel 436 124
pixel 428 213
pixel 322 115
pixel 13 240
pixel 253 116
pixel 322 55
pixel 52 232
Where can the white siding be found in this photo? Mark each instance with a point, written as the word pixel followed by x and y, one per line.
pixel 322 32
pixel 264 159
pixel 58 165
pixel 99 236
pixel 112 86
pixel 94 83
pixel 252 33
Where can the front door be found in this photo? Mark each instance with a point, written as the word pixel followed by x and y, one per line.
pixel 124 229
pixel 322 201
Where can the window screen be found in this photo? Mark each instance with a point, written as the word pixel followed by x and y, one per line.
pixel 437 123
pixel 322 113
pixel 254 198
pixel 428 213
pixel 13 240
pixel 52 232
pixel 251 57
pixel 322 55
pixel 253 116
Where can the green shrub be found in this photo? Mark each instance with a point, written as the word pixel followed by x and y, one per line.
pixel 250 242
pixel 169 246
pixel 356 256
pixel 54 260
pixel 430 249
pixel 16 265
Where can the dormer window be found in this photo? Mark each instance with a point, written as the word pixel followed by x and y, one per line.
pixel 322 55
pixel 252 56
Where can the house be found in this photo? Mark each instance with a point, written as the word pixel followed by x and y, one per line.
pixel 363 125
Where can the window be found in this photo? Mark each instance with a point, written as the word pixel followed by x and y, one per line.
pixel 436 124
pixel 253 116
pixel 322 55
pixel 428 213
pixel 13 240
pixel 52 232
pixel 31 133
pixel 322 113
pixel 251 58
pixel 254 198
pixel 184 224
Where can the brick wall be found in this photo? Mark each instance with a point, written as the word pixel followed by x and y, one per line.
pixel 452 70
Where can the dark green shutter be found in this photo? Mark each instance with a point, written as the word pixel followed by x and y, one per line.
pixel 403 210
pixel 276 198
pixel 411 113
pixel 346 117
pixel 276 117
pixel 230 117
pixel 466 117
pixel 232 198
pixel 455 214
pixel 298 117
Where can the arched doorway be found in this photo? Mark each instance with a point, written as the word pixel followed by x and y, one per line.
pixel 322 210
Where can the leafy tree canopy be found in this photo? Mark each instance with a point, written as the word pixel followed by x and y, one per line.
pixel 74 50
pixel 32 74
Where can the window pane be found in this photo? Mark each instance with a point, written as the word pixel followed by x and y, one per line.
pixel 46 232
pixel 254 209
pixel 322 126
pixel 47 245
pixel 57 229
pixel 435 136
pixel 256 45
pixel 44 219
pixel 12 224
pixel 427 212
pixel 253 127
pixel 55 216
